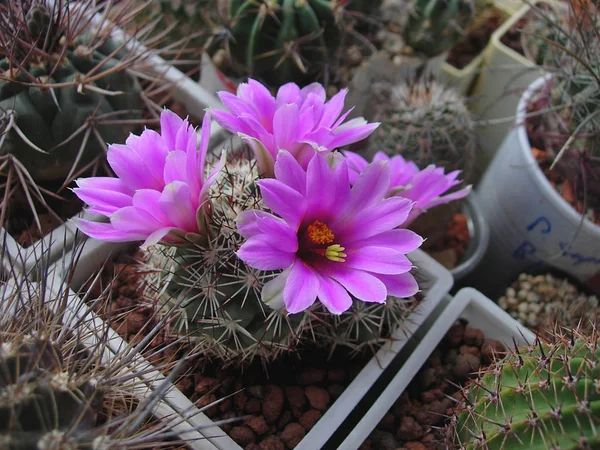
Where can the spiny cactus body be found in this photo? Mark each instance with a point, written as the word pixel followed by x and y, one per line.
pixel 435 26
pixel 217 296
pixel 64 91
pixel 426 123
pixel 541 397
pixel 283 40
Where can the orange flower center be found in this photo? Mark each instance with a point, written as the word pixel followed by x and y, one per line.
pixel 319 233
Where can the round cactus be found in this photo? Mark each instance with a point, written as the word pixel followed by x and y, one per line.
pixel 426 123
pixel 283 40
pixel 216 296
pixel 544 396
pixel 60 101
pixel 435 26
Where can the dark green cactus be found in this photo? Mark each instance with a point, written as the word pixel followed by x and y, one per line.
pixel 545 396
pixel 364 6
pixel 63 100
pixel 283 40
pixel 435 26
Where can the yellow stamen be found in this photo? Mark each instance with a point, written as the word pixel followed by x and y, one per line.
pixel 319 233
pixel 335 253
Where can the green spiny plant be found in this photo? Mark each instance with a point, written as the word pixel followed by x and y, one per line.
pixel 426 123
pixel 545 396
pixel 435 26
pixel 363 6
pixel 283 40
pixel 60 387
pixel 65 90
pixel 216 296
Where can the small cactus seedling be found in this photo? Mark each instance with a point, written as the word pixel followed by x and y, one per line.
pixel 426 123
pixel 283 40
pixel 435 26
pixel 540 397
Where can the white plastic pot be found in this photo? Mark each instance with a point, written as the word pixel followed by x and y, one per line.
pixel 195 98
pixel 529 220
pixel 505 74
pixel 469 304
pixel 437 284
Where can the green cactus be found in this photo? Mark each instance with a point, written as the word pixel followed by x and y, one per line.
pixel 435 26
pixel 545 396
pixel 426 123
pixel 364 6
pixel 64 91
pixel 283 40
pixel 58 387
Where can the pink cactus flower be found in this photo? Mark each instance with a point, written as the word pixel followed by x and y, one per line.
pixel 300 121
pixel 424 187
pixel 159 194
pixel 333 241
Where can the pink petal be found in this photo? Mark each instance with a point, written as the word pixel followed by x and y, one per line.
pixel 153 149
pixel 403 285
pixel 176 203
pixel 106 231
pixel 288 93
pixel 378 260
pixel 333 296
pixel 131 168
pixel 283 201
pixel 370 187
pixel 156 237
pixel 258 253
pixel 282 236
pixel 285 126
pixel 262 101
pixel 231 123
pixel 301 288
pixel 136 221
pixel 175 167
pixel 462 193
pixel 247 222
pixel 333 108
pixel 356 164
pixel 350 135
pixel 362 285
pixel 103 196
pixel 201 155
pixel 316 89
pixel 403 241
pixel 288 171
pixel 234 104
pixel 320 187
pixel 169 126
pixel 148 200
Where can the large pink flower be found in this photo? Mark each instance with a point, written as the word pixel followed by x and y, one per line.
pixel 333 240
pixel 425 187
pixel 160 192
pixel 300 121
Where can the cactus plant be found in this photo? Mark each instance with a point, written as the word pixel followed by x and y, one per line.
pixel 59 388
pixel 426 123
pixel 283 40
pixel 435 26
pixel 544 396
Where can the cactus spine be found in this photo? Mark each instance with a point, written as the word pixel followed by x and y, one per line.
pixel 283 40
pixel 426 123
pixel 545 396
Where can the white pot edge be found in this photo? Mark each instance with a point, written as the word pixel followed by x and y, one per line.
pixel 469 304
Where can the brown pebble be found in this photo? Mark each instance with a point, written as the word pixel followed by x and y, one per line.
pixel 409 429
pixel 205 401
pixel 272 443
pixel 226 404
pixel 240 400
pixel 470 349
pixel 432 414
pixel 272 403
pixel 336 375
pixel 474 337
pixel 286 417
pixel 366 445
pixel 465 365
pixel 255 391
pixel 414 445
pixel 135 322
pixel 403 405
pixel 317 397
pixel 258 425
pixel 226 427
pixel 309 419
pixel 242 435
pixel 296 399
pixel 335 390
pixel 490 349
pixel 204 385
pixel 252 446
pixel 312 375
pixel 292 434
pixel 253 406
pixel 387 422
pixel 455 335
